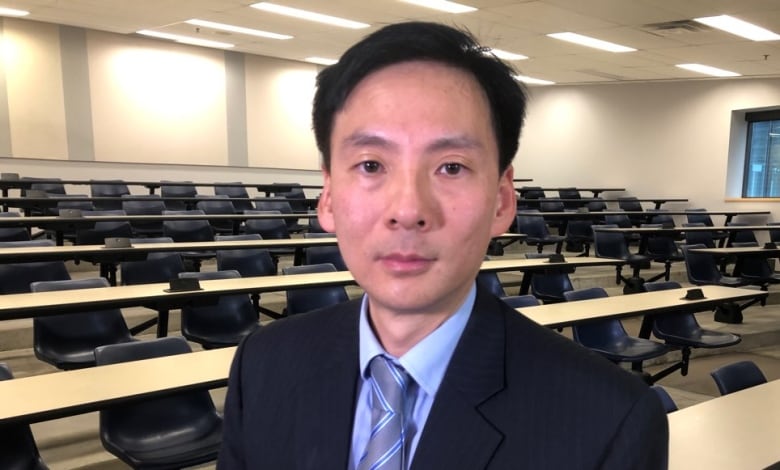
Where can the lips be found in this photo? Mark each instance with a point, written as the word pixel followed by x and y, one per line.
pixel 406 263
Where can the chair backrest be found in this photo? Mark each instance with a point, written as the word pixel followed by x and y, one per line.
pixel 15 278
pixel 294 196
pixel 595 334
pixel 307 299
pixel 681 324
pixel 596 204
pixel 697 216
pixel 665 220
pixel 519 301
pixel 248 262
pixel 550 286
pixel 269 229
pixel 630 203
pixel 530 195
pixel 279 205
pixel 774 233
pixel 315 227
pixel 11 234
pixel 618 220
pixel 17 447
pixel 533 225
pixel 666 399
pixel 147 205
pixel 68 341
pixel 699 237
pixel 742 236
pixel 234 191
pixel 232 316
pixel 195 230
pixel 737 376
pixel 701 268
pixel 608 244
pixel 172 189
pixel 489 281
pixel 660 246
pixel 157 267
pixel 155 425
pixel 570 193
pixel 324 254
pixel 580 229
pixel 218 207
pixel 80 205
pixel 51 186
pixel 103 230
pixel 108 188
pixel 551 205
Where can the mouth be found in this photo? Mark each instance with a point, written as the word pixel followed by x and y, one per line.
pixel 406 263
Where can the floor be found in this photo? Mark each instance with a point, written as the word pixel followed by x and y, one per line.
pixel 73 442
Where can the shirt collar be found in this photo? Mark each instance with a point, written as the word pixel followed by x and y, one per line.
pixel 427 361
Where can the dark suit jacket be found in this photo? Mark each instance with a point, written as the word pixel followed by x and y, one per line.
pixel 515 396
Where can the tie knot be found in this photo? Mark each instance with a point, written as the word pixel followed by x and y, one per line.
pixel 390 382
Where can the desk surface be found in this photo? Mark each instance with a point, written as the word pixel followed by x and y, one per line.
pixel 718 228
pixel 665 301
pixel 49 220
pixel 736 431
pixel 59 394
pixel 26 305
pixel 25 183
pixel 86 390
pixel 750 251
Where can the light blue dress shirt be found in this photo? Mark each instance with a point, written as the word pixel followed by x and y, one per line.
pixel 426 363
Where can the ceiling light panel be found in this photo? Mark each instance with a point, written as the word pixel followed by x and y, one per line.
pixel 591 42
pixel 708 70
pixel 185 39
pixel 442 5
pixel 321 60
pixel 237 29
pixel 506 55
pixel 532 81
pixel 739 28
pixel 12 12
pixel 309 15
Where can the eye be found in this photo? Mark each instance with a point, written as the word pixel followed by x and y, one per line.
pixel 370 166
pixel 451 169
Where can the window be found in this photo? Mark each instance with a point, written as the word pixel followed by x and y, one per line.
pixel 762 159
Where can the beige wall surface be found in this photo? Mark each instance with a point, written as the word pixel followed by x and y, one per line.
pixel 655 139
pixel 156 102
pixel 278 100
pixel 31 59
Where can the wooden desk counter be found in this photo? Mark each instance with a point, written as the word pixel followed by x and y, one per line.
pixel 736 431
pixel 59 394
pixel 619 306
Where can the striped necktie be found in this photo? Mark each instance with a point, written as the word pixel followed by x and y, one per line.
pixel 387 443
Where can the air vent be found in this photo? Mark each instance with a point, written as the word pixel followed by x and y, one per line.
pixel 674 28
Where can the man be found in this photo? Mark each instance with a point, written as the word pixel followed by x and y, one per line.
pixel 417 127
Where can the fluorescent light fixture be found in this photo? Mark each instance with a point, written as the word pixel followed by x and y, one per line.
pixel 707 70
pixel 442 5
pixel 309 15
pixel 185 39
pixel 591 42
pixel 506 55
pixel 12 12
pixel 320 60
pixel 237 29
pixel 532 81
pixel 738 27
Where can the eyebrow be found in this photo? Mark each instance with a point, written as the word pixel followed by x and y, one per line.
pixel 363 139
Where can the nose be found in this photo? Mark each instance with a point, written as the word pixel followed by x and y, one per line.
pixel 412 203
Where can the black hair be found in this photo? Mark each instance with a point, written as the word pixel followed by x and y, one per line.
pixel 410 41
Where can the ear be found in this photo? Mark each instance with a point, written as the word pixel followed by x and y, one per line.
pixel 506 203
pixel 324 207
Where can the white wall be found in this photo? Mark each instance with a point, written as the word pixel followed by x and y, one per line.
pixel 667 139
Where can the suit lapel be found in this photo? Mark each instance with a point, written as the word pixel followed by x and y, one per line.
pixel 456 434
pixel 326 402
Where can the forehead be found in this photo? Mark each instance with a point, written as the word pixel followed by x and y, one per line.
pixel 416 100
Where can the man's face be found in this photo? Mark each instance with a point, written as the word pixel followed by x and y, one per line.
pixel 413 192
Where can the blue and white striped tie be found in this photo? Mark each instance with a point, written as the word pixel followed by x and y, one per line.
pixel 387 442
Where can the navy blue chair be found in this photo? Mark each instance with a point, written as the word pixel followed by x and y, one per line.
pixel 669 405
pixel 68 341
pixel 193 230
pixel 237 193
pixel 221 324
pixel 537 234
pixel 219 207
pixel 324 254
pixel 283 206
pixel 18 450
pixel 145 205
pixel 519 301
pixel 614 245
pixel 270 229
pixel 737 376
pixel 609 338
pixel 249 262
pixel 489 281
pixel 174 189
pixel 108 188
pixel 13 234
pixel 304 300
pixel 682 331
pixel 15 278
pixel 175 431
